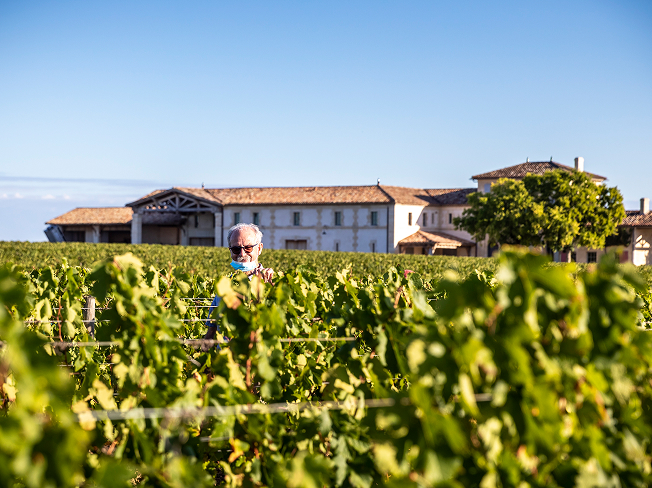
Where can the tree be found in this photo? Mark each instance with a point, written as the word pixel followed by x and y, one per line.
pixel 577 211
pixel 558 209
pixel 508 215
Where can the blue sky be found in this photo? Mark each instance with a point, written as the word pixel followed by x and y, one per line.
pixel 101 102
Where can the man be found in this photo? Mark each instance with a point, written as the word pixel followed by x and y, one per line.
pixel 245 244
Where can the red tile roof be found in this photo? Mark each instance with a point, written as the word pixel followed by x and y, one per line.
pixel 407 196
pixel 308 195
pixel 194 192
pixel 635 218
pixel 199 193
pixel 320 195
pixel 92 216
pixel 113 216
pixel 451 196
pixel 422 238
pixel 536 168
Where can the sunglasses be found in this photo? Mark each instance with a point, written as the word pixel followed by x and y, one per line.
pixel 247 249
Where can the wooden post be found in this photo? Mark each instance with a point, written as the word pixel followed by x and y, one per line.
pixel 89 315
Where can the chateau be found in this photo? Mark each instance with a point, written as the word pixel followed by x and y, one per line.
pixel 375 219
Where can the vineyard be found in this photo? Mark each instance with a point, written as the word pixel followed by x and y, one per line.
pixel 532 375
pixel 214 261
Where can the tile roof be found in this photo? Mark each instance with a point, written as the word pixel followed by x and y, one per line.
pixel 407 196
pixel 320 195
pixel 195 192
pixel 199 193
pixel 97 215
pixel 113 216
pixel 439 239
pixel 451 196
pixel 301 195
pixel 635 218
pixel 530 167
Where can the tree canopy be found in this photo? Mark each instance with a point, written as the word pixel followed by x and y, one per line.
pixel 558 209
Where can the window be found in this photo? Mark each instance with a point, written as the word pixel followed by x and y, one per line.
pixel 487 187
pixel 299 244
pixel 425 219
pixel 450 218
pixel 196 220
pixel 373 247
pixel 591 257
pixel 202 241
pixel 409 250
pixel 297 218
pixel 410 218
pixel 74 235
pixel 424 250
pixel 337 246
pixel 374 218
pixel 256 218
pixel 338 218
pixel 236 218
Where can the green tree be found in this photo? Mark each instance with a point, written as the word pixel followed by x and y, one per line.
pixel 577 211
pixel 508 215
pixel 559 209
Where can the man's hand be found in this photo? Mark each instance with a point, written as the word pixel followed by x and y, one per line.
pixel 265 273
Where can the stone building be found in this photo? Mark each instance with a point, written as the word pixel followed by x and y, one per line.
pixel 376 218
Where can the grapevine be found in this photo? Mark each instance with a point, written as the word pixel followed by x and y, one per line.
pixel 534 375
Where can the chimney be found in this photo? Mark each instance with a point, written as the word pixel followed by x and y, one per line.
pixel 645 206
pixel 579 164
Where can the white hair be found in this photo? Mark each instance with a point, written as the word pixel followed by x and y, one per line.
pixel 259 234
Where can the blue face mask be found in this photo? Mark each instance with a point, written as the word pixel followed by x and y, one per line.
pixel 249 266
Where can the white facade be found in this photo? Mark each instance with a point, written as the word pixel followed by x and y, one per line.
pixel 381 219
pixel 199 218
pixel 408 219
pixel 640 246
pixel 316 225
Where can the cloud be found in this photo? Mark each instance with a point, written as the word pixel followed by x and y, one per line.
pixel 66 197
pixel 4 195
pixel 47 197
pixel 101 181
pixel 18 195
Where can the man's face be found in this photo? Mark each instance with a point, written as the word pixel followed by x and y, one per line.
pixel 241 238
